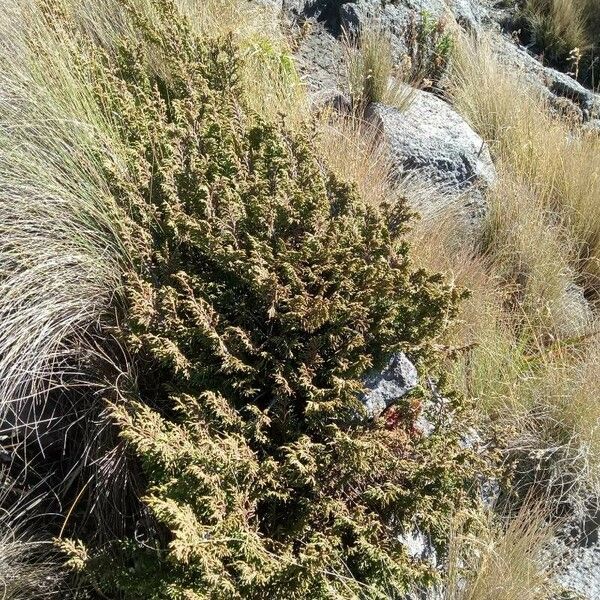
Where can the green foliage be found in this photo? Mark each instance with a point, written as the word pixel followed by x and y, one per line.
pixel 429 46
pixel 261 292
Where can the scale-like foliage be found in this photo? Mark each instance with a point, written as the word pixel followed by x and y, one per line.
pixel 263 291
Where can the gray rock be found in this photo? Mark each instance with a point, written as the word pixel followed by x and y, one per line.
pixel 578 309
pixel 576 554
pixel 581 574
pixel 468 13
pixel 353 14
pixel 317 9
pixel 394 17
pixel 419 546
pixel 433 140
pixel 396 380
pixel 561 91
pixel 593 126
pixel 319 58
pixel 277 5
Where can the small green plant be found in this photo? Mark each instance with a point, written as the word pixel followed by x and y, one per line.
pixel 429 45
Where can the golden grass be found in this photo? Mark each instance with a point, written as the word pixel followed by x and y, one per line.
pixel 528 359
pixel 555 159
pixel 560 26
pixel 566 32
pixel 61 252
pixel 531 253
pixel 502 563
pixel 371 72
pixel 533 364
pixel 353 149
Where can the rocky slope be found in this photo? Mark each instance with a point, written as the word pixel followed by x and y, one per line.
pixel 433 143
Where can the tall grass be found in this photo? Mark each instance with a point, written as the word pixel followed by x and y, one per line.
pixel 532 254
pixel 62 247
pixel 555 159
pixel 352 148
pixel 567 32
pixel 371 72
pixel 560 26
pixel 503 563
pixel 532 339
pixel 29 568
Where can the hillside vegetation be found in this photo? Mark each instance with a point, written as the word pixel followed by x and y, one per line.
pixel 199 270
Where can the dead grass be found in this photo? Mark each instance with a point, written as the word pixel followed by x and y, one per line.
pixel 557 161
pixel 371 72
pixel 532 255
pixel 535 353
pixel 502 563
pixel 560 26
pixel 29 568
pixel 353 149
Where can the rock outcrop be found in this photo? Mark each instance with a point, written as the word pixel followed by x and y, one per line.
pixel 576 553
pixel 562 92
pixel 385 388
pixel 433 142
pixel 430 137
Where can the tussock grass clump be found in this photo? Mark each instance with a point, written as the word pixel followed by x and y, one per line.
pixel 534 352
pixel 504 562
pixel 532 255
pixel 371 73
pixel 557 161
pixel 250 291
pixel 352 148
pixel 375 74
pixel 30 567
pixel 559 26
pixel 567 32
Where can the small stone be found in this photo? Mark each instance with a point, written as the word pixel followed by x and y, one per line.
pixel 395 381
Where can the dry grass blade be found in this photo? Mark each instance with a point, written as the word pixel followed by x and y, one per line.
pixel 60 246
pixel 555 159
pixel 503 564
pixel 29 568
pixel 354 150
pixel 371 72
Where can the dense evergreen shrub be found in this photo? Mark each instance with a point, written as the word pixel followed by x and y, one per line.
pixel 262 290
